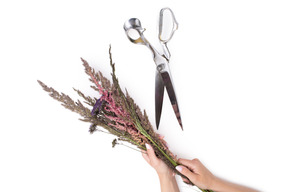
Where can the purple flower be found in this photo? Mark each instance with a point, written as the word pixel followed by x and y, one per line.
pixel 97 105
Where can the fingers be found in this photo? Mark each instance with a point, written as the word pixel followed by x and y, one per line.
pixel 187 172
pixel 191 164
pixel 185 180
pixel 145 156
pixel 184 161
pixel 151 153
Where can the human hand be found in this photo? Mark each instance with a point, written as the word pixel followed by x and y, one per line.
pixel 166 176
pixel 203 178
pixel 196 172
pixel 160 167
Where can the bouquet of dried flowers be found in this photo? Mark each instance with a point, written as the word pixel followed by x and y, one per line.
pixel 117 113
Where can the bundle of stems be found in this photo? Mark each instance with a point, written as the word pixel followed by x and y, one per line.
pixel 117 113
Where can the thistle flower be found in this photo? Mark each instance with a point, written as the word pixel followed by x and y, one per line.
pixel 117 114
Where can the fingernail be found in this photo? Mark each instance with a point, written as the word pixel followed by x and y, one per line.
pixel 147 146
pixel 179 168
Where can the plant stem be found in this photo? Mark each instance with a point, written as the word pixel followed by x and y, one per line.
pixel 154 143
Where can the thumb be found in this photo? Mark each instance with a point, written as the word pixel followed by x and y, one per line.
pixel 185 171
pixel 151 153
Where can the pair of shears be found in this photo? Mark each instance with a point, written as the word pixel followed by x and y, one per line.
pixel 163 79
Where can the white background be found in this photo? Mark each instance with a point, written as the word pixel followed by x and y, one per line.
pixel 229 65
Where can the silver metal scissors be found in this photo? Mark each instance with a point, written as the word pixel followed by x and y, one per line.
pixel 134 32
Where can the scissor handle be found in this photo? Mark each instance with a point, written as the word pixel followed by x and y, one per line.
pixel 134 31
pixel 167 26
pixel 166 20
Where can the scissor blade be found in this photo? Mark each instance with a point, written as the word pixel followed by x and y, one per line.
pixel 172 96
pixel 159 94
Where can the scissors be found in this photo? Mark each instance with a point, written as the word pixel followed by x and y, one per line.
pixel 163 79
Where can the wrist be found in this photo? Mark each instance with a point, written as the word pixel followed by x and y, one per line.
pixel 220 184
pixel 168 182
pixel 166 175
pixel 215 182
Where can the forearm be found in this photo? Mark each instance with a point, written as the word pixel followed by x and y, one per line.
pixel 168 183
pixel 220 185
